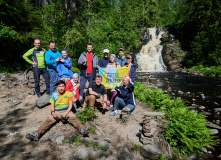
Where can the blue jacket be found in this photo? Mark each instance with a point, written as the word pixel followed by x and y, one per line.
pixel 121 61
pixel 50 58
pixel 103 62
pixel 132 72
pixel 127 94
pixel 64 69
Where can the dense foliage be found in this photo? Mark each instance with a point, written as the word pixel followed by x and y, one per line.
pixel 72 24
pixel 187 131
pixel 197 25
pixel 212 70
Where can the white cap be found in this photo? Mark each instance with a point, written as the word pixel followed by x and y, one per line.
pixel 106 51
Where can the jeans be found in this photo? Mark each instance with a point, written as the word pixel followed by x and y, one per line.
pixel 83 81
pixel 53 81
pixel 41 71
pixel 119 102
pixel 51 121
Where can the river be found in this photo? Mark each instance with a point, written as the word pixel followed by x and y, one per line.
pixel 200 93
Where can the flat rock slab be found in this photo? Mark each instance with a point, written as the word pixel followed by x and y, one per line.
pixel 104 144
pixel 154 113
pixel 57 137
pixel 86 154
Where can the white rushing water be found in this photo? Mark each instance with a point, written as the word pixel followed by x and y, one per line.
pixel 150 56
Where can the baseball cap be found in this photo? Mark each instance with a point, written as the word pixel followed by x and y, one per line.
pixel 129 56
pixel 113 55
pixel 121 49
pixel 106 51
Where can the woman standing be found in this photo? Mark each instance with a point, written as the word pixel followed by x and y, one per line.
pixel 113 63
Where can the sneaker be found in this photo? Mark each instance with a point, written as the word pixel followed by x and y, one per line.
pixel 113 113
pixel 126 109
pixel 84 132
pixel 32 136
pixel 111 107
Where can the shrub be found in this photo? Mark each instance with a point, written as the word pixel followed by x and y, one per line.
pixel 75 70
pixel 187 130
pixel 213 70
pixel 86 114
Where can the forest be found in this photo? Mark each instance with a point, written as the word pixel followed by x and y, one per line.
pixel 111 24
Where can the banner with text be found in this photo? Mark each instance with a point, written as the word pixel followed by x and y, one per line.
pixel 112 76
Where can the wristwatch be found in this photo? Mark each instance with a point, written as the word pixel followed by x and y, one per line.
pixel 105 102
pixel 99 95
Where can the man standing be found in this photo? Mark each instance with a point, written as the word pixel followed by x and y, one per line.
pixel 38 61
pixel 97 94
pixel 52 57
pixel 61 105
pixel 88 63
pixel 105 60
pixel 121 59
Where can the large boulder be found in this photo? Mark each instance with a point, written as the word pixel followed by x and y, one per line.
pixel 43 101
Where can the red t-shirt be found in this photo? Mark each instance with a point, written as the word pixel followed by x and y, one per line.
pixel 89 63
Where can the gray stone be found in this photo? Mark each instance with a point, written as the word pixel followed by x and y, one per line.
pixel 59 139
pixel 193 157
pixel 151 151
pixel 96 154
pixel 3 78
pixel 202 107
pixel 25 83
pixel 104 144
pixel 154 113
pixel 124 153
pixel 211 125
pixel 217 109
pixel 214 131
pixel 3 96
pixel 110 140
pixel 83 153
pixel 56 136
pixel 43 101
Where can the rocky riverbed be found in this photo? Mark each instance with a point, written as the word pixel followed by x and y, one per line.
pixel 111 138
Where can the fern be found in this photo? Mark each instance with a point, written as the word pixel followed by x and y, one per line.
pixel 187 130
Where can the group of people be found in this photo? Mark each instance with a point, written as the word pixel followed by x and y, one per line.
pixel 64 87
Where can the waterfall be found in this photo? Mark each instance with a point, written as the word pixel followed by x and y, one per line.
pixel 150 56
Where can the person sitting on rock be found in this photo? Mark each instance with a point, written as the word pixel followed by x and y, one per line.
pixel 125 97
pixel 97 94
pixel 61 105
pixel 72 85
pixel 132 70
pixel 113 63
pixel 64 67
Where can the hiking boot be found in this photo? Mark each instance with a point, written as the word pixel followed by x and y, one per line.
pixel 111 108
pixel 84 132
pixel 114 113
pixel 34 136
